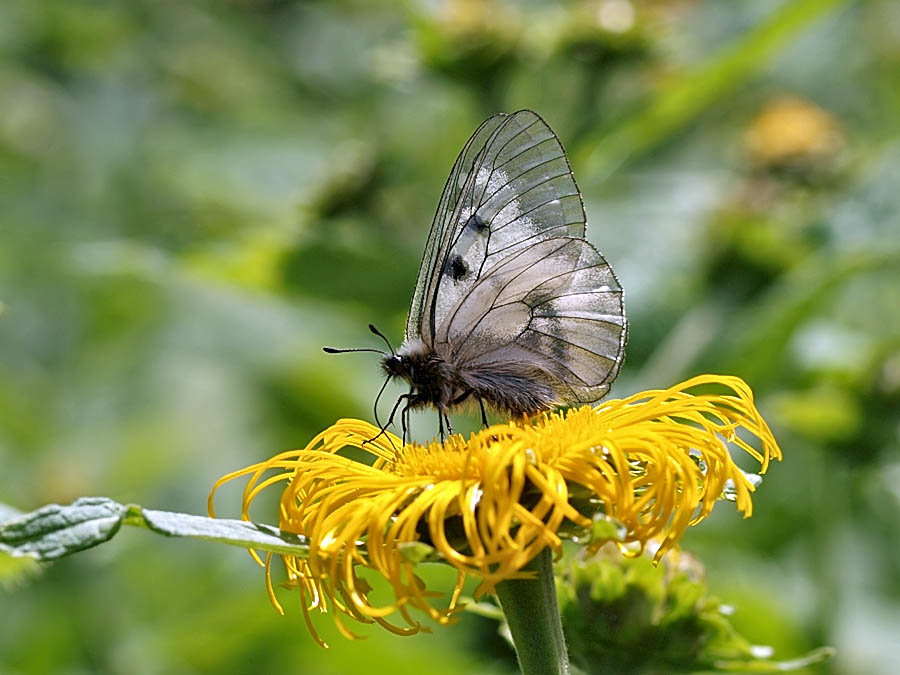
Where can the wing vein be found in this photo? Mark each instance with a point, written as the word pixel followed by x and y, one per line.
pixel 509 181
pixel 502 288
pixel 576 346
pixel 535 208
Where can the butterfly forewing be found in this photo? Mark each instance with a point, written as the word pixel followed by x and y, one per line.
pixel 510 188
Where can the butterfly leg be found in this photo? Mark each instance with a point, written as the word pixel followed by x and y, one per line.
pixel 443 418
pixel 377 398
pixel 484 420
pixel 404 418
pixel 390 421
pixel 462 397
pixel 400 399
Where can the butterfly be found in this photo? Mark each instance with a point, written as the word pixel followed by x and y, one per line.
pixel 512 307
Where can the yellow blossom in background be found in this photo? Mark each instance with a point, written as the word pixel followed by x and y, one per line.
pixel 653 463
pixel 792 129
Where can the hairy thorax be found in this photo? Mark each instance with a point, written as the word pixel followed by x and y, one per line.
pixel 432 380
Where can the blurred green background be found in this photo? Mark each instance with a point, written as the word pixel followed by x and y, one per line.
pixel 196 196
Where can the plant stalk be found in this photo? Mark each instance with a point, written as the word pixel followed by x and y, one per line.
pixel 532 613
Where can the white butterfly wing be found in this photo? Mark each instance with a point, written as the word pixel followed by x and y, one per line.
pixel 511 187
pixel 554 305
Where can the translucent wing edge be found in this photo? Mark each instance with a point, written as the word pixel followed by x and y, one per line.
pixel 432 261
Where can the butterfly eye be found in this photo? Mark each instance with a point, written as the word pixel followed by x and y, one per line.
pixel 393 364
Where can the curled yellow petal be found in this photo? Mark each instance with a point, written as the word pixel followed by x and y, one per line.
pixel 655 463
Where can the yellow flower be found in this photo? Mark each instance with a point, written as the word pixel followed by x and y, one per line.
pixel 790 129
pixel 651 464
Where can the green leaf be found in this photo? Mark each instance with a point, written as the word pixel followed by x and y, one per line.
pixel 226 531
pixel 14 571
pixel 55 531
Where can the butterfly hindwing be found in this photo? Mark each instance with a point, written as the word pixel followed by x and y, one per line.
pixel 556 305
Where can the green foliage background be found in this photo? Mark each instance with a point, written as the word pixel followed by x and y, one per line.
pixel 196 196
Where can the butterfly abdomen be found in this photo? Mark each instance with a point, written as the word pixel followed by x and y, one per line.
pixel 512 388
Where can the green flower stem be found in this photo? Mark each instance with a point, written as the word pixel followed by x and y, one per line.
pixel 533 616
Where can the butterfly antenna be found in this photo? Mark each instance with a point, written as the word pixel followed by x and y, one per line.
pixel 334 350
pixel 381 335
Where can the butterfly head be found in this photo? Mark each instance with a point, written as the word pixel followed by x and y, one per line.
pixel 395 365
pixel 408 362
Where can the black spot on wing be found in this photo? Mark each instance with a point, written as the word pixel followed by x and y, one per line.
pixel 539 174
pixel 476 223
pixel 457 268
